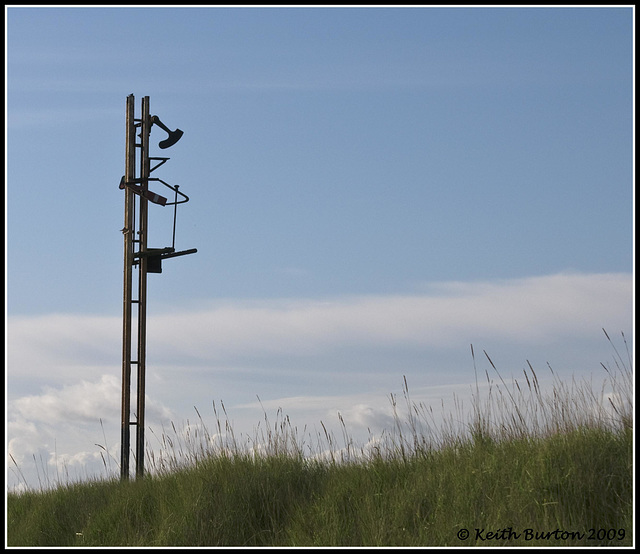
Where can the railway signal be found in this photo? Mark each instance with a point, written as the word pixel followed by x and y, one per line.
pixel 146 260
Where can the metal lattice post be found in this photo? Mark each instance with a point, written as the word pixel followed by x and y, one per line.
pixel 130 232
pixel 146 260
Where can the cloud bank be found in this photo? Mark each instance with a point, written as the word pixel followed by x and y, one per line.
pixel 548 308
pixel 64 369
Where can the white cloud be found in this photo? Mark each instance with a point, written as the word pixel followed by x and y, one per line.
pixel 63 427
pixel 24 438
pixel 53 346
pixel 550 308
pixel 526 310
pixel 312 359
pixel 80 403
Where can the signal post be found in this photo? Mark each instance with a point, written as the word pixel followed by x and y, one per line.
pixel 139 257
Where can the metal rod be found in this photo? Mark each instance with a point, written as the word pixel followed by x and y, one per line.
pixel 128 231
pixel 181 253
pixel 175 215
pixel 154 252
pixel 174 188
pixel 142 288
pixel 156 159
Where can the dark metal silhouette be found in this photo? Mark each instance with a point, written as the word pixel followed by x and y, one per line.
pixel 174 136
pixel 146 260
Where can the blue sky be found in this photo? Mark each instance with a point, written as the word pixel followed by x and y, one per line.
pixel 372 190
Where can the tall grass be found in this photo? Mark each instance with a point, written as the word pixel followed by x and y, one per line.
pixel 555 462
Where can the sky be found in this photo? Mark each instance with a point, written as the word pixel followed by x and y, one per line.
pixel 372 191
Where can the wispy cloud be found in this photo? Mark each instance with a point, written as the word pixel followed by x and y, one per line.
pixel 525 310
pixel 221 348
pixel 23 118
pixel 549 308
pixel 53 346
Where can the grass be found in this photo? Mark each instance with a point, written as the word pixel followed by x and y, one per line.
pixel 525 468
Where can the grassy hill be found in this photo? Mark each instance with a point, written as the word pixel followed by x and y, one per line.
pixel 528 468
